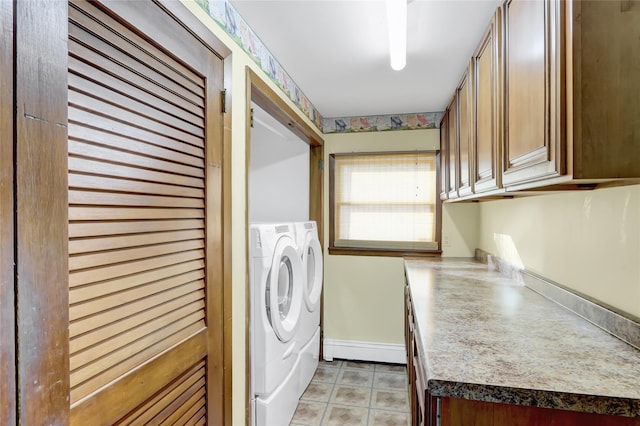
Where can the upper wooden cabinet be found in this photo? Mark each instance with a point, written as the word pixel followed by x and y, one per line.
pixel 444 156
pixel 554 99
pixel 533 147
pixel 603 88
pixel 452 149
pixel 464 139
pixel 486 118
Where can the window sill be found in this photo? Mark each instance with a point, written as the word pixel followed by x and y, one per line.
pixel 353 251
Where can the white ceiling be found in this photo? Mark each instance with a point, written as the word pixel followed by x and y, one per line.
pixel 337 51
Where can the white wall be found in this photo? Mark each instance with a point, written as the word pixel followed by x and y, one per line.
pixel 363 295
pixel 587 240
pixel 278 172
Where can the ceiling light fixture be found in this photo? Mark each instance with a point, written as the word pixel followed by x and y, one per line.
pixel 397 24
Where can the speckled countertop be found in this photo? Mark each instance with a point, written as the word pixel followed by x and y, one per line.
pixel 486 337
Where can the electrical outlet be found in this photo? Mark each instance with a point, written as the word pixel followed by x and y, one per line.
pixel 445 240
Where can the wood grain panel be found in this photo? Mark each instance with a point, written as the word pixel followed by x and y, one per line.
pixel 7 236
pixel 41 212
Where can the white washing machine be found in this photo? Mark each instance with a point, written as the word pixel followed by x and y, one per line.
pixel 309 333
pixel 276 307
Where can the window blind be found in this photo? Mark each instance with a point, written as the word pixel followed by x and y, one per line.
pixel 385 201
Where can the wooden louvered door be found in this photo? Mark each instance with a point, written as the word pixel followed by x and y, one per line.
pixel 145 199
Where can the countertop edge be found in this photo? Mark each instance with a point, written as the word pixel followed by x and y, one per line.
pixel 587 403
pixel 593 404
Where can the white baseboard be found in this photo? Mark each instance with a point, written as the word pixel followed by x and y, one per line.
pixel 364 351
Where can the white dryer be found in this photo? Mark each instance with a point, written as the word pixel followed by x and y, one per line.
pixel 276 307
pixel 309 333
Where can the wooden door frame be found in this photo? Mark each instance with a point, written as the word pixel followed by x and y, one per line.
pixel 7 273
pixel 41 251
pixel 259 92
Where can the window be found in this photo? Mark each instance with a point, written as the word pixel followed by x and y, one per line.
pixel 384 204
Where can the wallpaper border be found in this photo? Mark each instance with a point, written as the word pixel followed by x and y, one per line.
pixel 230 20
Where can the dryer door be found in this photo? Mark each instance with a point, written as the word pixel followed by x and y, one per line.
pixel 312 263
pixel 283 297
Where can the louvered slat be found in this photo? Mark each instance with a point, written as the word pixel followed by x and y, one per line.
pixel 109 56
pixel 94 143
pixel 131 332
pixel 129 130
pixel 80 86
pixel 127 113
pixel 94 376
pixel 93 229
pixel 110 243
pixel 83 23
pixel 169 301
pixel 89 292
pixel 89 151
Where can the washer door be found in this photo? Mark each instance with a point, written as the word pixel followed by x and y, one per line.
pixel 283 296
pixel 312 262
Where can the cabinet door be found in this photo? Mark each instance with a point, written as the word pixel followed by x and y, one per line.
pixel 444 156
pixel 145 134
pixel 463 99
pixel 487 136
pixel 606 89
pixel 533 145
pixel 452 137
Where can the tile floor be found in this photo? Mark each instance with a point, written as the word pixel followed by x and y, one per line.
pixel 347 393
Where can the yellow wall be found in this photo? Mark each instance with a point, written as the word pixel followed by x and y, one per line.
pixel 239 62
pixel 363 295
pixel 588 241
